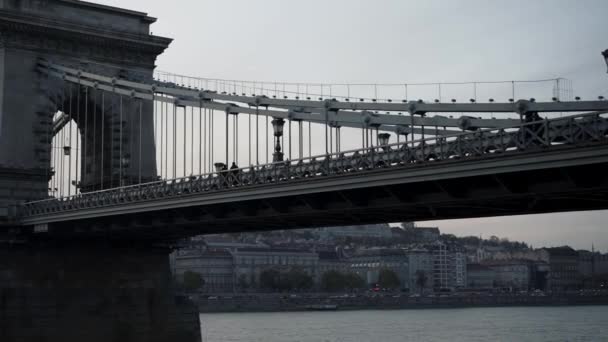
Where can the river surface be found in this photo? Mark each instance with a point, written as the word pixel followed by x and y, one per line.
pixel 565 323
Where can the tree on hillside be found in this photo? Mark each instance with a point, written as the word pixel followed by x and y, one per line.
pixel 388 279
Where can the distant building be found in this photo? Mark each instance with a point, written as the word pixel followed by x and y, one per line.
pixel 480 276
pixel 368 264
pixel 515 275
pixel 460 267
pixel 421 234
pixel 378 231
pixel 592 267
pixel 216 267
pixel 331 261
pixel 250 262
pixel 592 263
pixel 441 267
pixel 563 265
pixel 233 246
pixel 449 266
pixel 421 266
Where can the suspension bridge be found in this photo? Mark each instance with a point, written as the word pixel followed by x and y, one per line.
pixel 159 159
pixel 104 163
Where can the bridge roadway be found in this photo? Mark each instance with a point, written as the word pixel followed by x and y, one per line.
pixel 546 166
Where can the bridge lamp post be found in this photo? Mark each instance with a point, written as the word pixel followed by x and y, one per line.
pixel 219 167
pixel 605 54
pixel 124 162
pixel 277 125
pixel 383 140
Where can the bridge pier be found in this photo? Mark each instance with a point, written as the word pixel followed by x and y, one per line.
pixel 82 291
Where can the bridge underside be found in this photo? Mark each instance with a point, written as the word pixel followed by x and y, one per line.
pixel 499 187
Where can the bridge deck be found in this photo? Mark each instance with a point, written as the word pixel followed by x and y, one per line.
pixel 550 144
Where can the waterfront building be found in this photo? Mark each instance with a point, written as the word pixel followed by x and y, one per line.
pixel 331 261
pixel 369 262
pixel 250 262
pixel 421 234
pixel 233 246
pixel 592 263
pixel 449 266
pixel 421 265
pixel 511 274
pixel 480 276
pixel 563 265
pixel 460 267
pixel 592 267
pixel 376 231
pixel 441 266
pixel 215 266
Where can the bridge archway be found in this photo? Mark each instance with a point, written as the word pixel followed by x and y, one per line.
pixel 96 141
pixel 109 41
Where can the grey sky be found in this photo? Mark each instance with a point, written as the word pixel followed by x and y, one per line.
pixel 402 42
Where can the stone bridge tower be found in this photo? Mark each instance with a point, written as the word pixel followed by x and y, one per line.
pixel 105 40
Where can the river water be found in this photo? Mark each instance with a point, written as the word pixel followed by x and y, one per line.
pixel 565 323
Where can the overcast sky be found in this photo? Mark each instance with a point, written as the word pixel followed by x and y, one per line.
pixel 400 41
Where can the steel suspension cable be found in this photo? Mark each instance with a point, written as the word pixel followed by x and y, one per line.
pixel 326 133
pixel 155 116
pixel 227 138
pixel 62 147
pixel 78 137
pixel 103 140
pixel 205 138
pixel 200 139
pixel 338 140
pixel 185 134
pixel 85 142
pixel 140 140
pixel 249 137
pixel 300 140
pixel 53 156
pixel 257 134
pixel 112 128
pixel 362 136
pixel 70 141
pixel 290 140
pixel 166 144
pixel 212 140
pixel 174 155
pixel 120 141
pixel 94 133
pixel 309 139
pixel 49 140
pixel 234 141
pixel 266 138
pixel 331 140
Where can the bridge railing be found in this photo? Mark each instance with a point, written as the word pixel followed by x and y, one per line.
pixel 578 130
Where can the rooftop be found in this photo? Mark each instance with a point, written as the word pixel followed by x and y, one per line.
pixel 110 9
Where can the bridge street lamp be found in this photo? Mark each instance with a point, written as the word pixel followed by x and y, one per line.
pixel 219 167
pixel 277 125
pixel 605 54
pixel 383 140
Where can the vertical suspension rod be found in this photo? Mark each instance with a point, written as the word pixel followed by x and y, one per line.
pixel 103 141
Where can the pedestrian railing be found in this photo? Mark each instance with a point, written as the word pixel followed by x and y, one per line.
pixel 575 131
